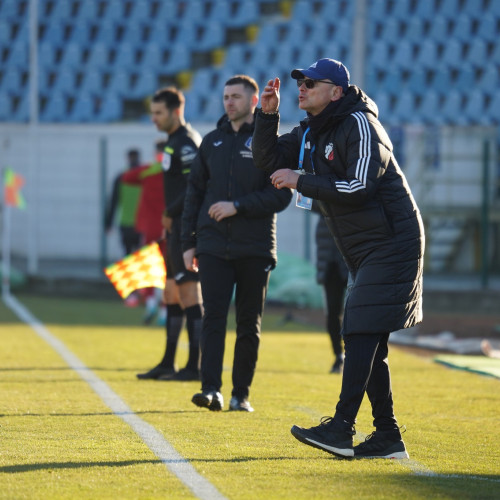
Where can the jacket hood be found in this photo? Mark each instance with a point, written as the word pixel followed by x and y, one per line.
pixel 354 100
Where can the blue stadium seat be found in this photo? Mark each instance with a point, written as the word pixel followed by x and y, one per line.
pixel 269 33
pixel 383 101
pixel 124 56
pixel 80 33
pixel 404 108
pixel 119 83
pixel 107 32
pixel 392 81
pixel 442 79
pixel 65 81
pixel 477 53
pixel 6 114
pixel 474 109
pixel 187 34
pixel 22 112
pixel 462 28
pixel 377 10
pixel 147 83
pixel 401 10
pixel 141 11
pixel 466 79
pixel 429 108
pixel 453 108
pixel 487 29
pixel 417 82
pixel 427 57
pixel 54 32
pixel 493 110
pixel 424 10
pixel 391 31
pixel 18 55
pixel 56 109
pixel 213 108
pixel 213 36
pixel 489 81
pixel 303 10
pixel 46 54
pixel 115 10
pixel 415 29
pixel 92 82
pixel 452 54
pixel 9 9
pixel 5 32
pixel 246 13
pixel 111 109
pixel 99 56
pixel 378 54
pixel 237 55
pixel 495 55
pixel 179 59
pixel 83 109
pixel 403 56
pixel 72 56
pixel 439 29
pixel 449 8
pixel 88 11
pixel 152 56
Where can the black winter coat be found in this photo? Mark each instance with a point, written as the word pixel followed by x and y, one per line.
pixel 367 203
pixel 223 170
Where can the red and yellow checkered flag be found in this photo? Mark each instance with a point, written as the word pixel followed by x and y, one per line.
pixel 142 269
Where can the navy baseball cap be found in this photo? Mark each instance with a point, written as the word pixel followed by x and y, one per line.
pixel 325 69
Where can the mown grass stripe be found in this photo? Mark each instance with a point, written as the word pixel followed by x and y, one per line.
pixel 175 462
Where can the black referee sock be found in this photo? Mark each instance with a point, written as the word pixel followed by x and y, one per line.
pixel 194 322
pixel 173 326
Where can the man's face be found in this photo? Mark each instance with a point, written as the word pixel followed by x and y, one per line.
pixel 162 117
pixel 316 99
pixel 237 102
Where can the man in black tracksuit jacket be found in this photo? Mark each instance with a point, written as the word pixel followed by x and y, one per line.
pixel 351 170
pixel 229 234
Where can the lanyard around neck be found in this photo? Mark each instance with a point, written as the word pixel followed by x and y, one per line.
pixel 302 149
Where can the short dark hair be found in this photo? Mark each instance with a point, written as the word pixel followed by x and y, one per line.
pixel 171 96
pixel 247 82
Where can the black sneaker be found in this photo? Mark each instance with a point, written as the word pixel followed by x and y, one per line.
pixel 240 404
pixel 184 375
pixel 338 366
pixel 157 372
pixel 381 444
pixel 327 436
pixel 212 400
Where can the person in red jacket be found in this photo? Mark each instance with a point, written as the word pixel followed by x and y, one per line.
pixel 149 212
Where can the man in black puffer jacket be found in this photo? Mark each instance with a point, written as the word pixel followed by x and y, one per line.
pixel 229 233
pixel 362 193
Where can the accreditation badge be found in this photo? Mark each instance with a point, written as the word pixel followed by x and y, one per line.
pixel 302 201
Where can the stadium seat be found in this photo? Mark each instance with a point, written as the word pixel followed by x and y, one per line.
pixel 56 109
pixel 377 10
pixel 441 82
pixel 493 110
pixel 72 57
pixel 88 11
pixel 462 28
pixel 152 56
pixel 465 79
pixel 391 31
pixel 477 53
pixel 246 13
pixel 9 9
pixel 404 108
pixel 111 109
pixel 404 55
pixel 213 108
pixel 107 32
pixel 452 54
pixel 453 108
pixel 146 84
pixel 401 10
pixel 115 10
pixel 5 107
pixel 417 82
pixel 428 111
pixel 18 55
pixel 22 111
pixel 99 56
pixel 474 110
pixel 378 54
pixel 424 10
pixel 65 81
pixel 449 8
pixel 124 56
pixel 489 81
pixel 81 33
pixel 83 108
pixel 383 101
pixel 213 35
pixel 439 29
pixel 141 11
pixel 179 59
pixel 303 10
pixel 487 29
pixel 5 32
pixel 119 83
pixel 92 82
pixel 415 30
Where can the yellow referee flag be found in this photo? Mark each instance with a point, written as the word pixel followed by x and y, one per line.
pixel 141 269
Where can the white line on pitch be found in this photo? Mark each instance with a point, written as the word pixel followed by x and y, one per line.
pixel 175 462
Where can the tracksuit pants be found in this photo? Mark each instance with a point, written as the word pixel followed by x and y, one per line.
pixel 249 278
pixel 366 369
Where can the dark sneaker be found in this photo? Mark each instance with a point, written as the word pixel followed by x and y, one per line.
pixel 157 372
pixel 381 444
pixel 212 400
pixel 185 375
pixel 239 404
pixel 338 366
pixel 327 436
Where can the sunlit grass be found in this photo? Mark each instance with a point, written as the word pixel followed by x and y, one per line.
pixel 59 440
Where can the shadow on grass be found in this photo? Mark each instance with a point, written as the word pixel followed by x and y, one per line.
pixel 13 469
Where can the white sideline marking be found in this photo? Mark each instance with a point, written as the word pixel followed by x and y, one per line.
pixel 175 462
